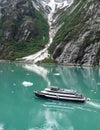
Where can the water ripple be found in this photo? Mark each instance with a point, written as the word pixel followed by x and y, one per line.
pixel 1 127
pixel 96 105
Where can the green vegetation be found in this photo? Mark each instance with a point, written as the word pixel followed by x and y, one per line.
pixel 49 60
pixel 97 36
pixel 13 28
pixel 75 23
pixel 20 49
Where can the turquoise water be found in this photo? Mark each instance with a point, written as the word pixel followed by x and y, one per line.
pixel 21 110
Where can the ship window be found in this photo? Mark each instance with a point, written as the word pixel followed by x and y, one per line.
pixel 54 88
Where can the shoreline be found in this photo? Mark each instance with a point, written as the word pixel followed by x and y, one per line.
pixel 30 62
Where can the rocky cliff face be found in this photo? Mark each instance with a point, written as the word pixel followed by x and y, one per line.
pixel 23 29
pixel 19 20
pixel 78 41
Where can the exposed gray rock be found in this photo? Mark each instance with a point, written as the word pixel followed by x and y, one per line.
pixel 69 55
pixel 22 27
pixel 81 46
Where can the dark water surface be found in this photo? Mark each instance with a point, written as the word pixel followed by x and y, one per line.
pixel 21 110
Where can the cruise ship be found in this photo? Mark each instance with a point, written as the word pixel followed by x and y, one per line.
pixel 61 94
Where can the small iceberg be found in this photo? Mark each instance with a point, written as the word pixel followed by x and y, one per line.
pixel 57 74
pixel 26 84
pixel 27 74
pixel 92 90
pixel 14 84
pixel 12 70
pixel 12 92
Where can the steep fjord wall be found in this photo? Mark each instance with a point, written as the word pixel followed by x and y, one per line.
pixel 23 29
pixel 49 9
pixel 78 40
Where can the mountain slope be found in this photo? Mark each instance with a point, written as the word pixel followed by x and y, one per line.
pixel 49 9
pixel 23 29
pixel 78 40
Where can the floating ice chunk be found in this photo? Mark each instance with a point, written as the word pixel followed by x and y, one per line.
pixel 57 74
pixel 26 84
pixel 27 74
pixel 12 92
pixel 12 70
pixel 14 84
pixel 92 90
